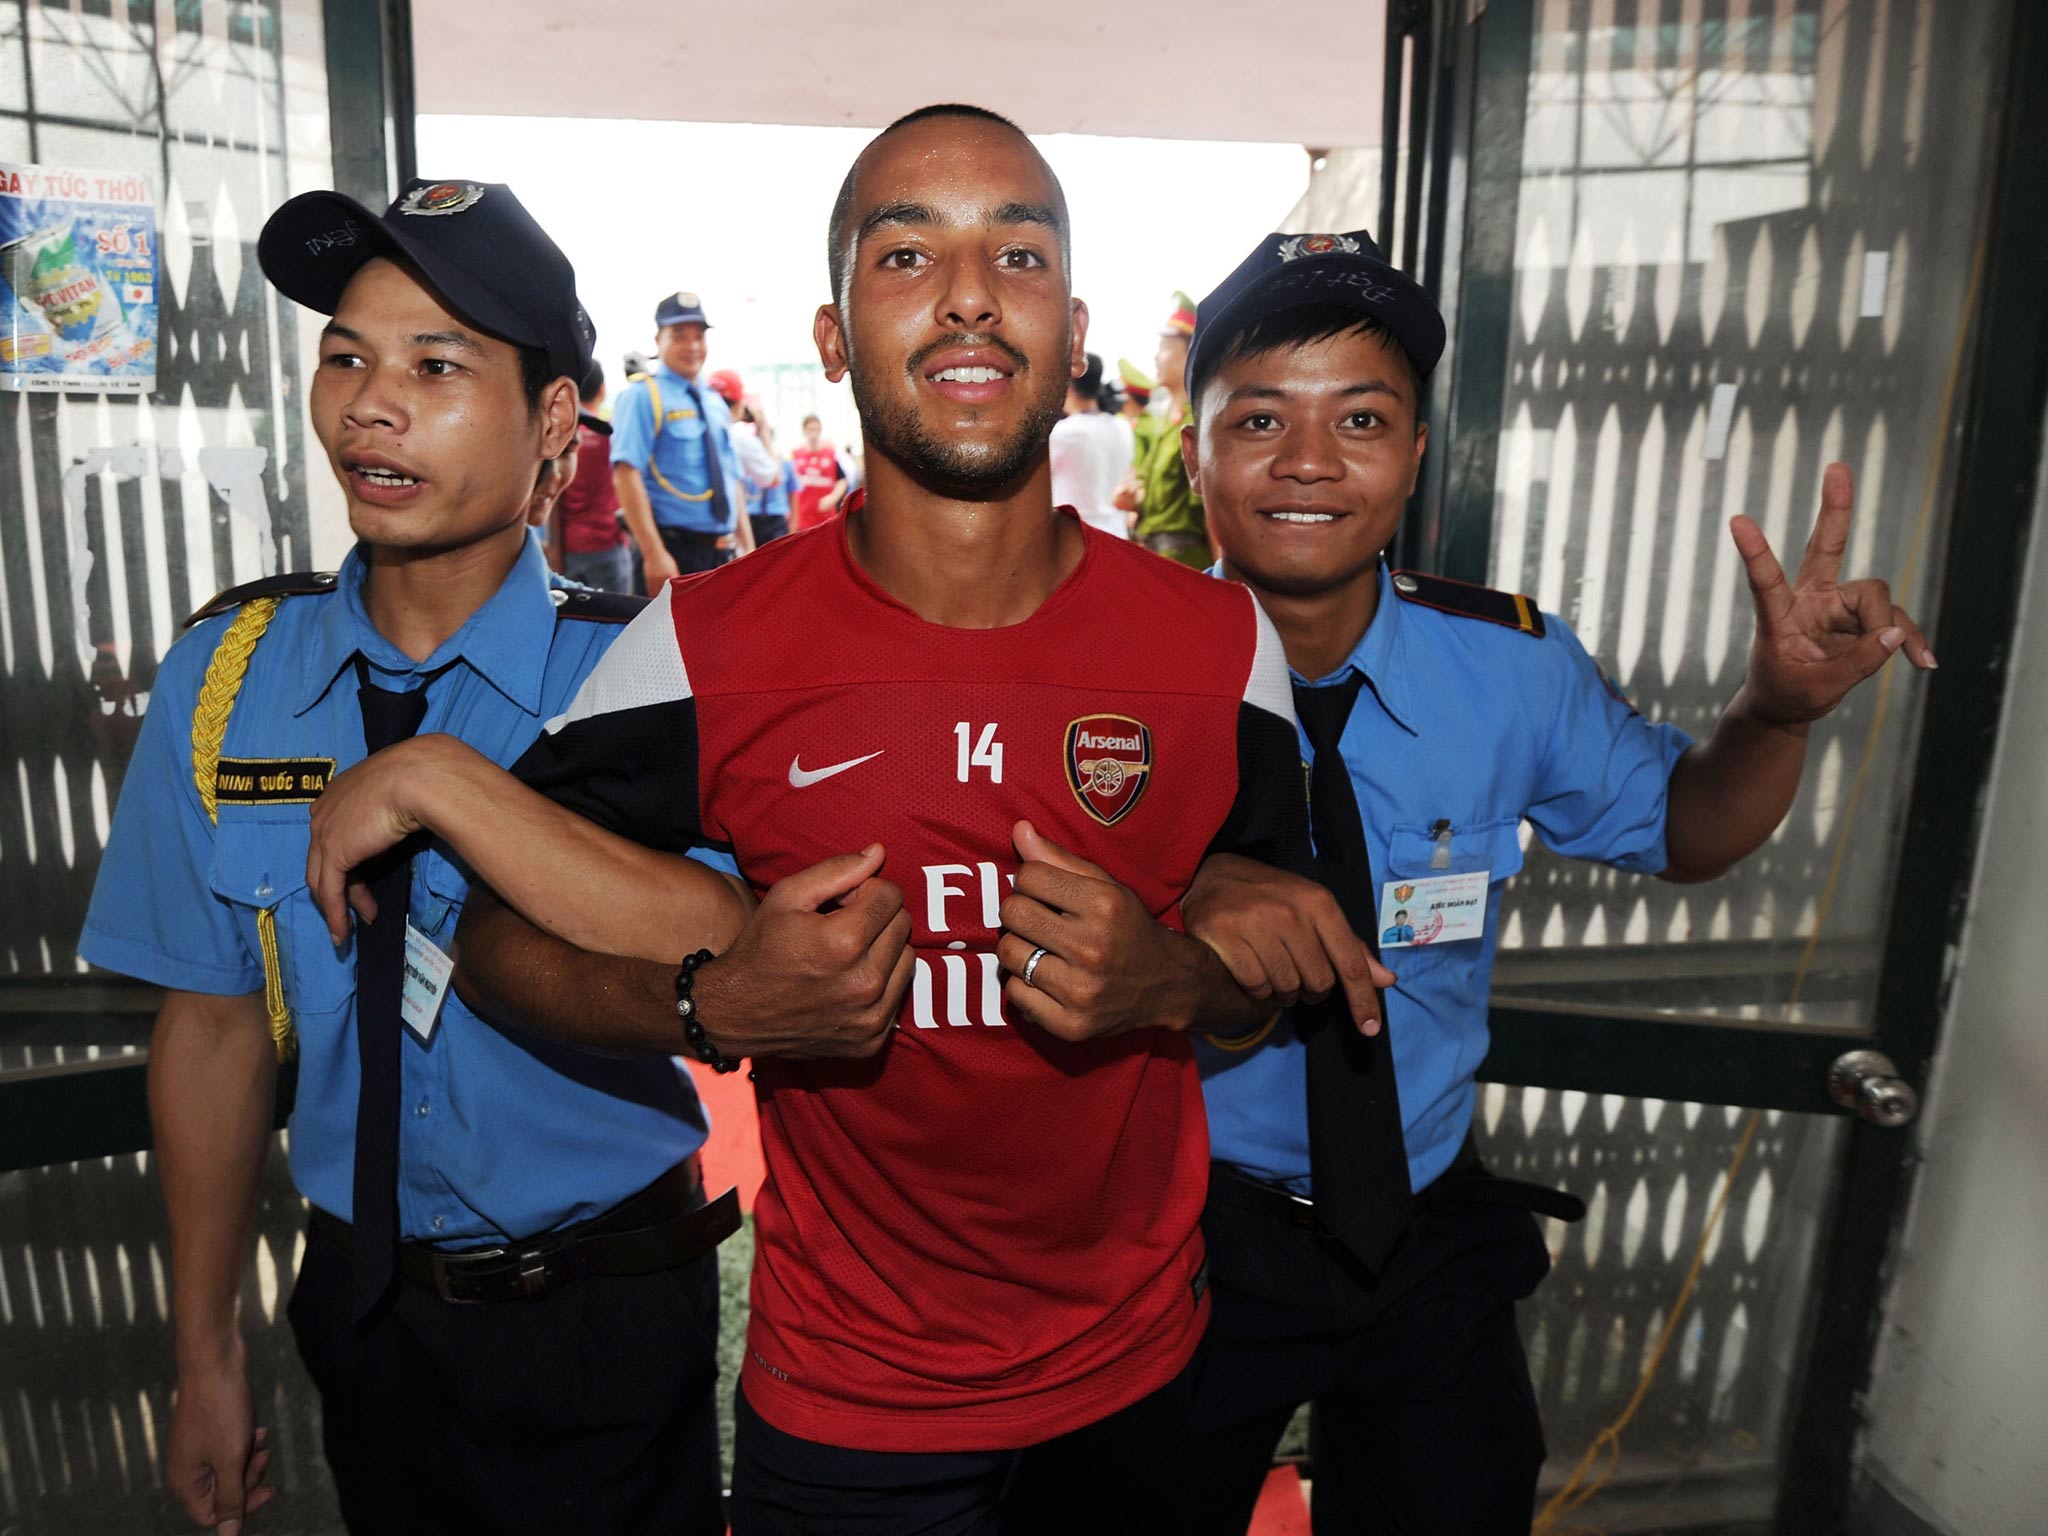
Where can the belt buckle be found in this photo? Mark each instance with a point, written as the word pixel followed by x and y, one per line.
pixel 540 1267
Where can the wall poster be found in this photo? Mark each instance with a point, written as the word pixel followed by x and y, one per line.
pixel 78 276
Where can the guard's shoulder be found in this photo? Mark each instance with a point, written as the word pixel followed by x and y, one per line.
pixel 593 606
pixel 1510 610
pixel 293 584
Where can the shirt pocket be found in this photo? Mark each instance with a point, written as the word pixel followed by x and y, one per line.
pixel 686 427
pixel 438 892
pixel 1494 846
pixel 259 869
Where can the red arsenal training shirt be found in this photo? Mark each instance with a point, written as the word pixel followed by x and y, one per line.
pixel 983 1237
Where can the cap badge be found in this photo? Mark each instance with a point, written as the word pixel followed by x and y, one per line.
pixel 1296 246
pixel 441 197
pixel 1109 763
pixel 689 301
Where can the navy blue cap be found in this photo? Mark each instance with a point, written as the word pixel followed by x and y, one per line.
pixel 472 240
pixel 680 309
pixel 1288 271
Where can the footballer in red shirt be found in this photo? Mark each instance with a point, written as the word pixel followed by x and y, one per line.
pixel 818 474
pixel 979 1275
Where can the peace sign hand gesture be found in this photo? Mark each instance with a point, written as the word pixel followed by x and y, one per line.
pixel 1817 637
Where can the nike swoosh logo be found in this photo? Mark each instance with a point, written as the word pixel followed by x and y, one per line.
pixel 801 777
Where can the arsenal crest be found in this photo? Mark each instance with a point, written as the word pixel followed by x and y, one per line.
pixel 1109 762
pixel 441 198
pixel 1297 246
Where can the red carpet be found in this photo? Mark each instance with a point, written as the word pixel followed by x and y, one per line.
pixel 1282 1511
pixel 733 1155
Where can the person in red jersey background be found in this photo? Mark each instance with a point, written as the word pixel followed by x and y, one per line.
pixel 979 1277
pixel 820 478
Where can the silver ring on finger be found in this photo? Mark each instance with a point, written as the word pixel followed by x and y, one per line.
pixel 1031 967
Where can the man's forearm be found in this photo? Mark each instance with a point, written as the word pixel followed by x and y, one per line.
pixel 1209 998
pixel 1730 792
pixel 639 511
pixel 212 1093
pixel 512 972
pixel 569 876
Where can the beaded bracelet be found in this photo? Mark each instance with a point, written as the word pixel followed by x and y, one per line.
pixel 693 1028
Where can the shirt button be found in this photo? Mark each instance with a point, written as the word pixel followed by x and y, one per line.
pixel 440 1222
pixel 421 1109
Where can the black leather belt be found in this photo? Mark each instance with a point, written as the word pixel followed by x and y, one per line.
pixel 1465 1182
pixel 654 1230
pixel 694 536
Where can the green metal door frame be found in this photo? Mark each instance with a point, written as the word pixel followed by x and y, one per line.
pixel 370 102
pixel 1463 126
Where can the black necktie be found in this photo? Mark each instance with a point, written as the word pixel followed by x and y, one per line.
pixel 388 718
pixel 714 461
pixel 1357 1158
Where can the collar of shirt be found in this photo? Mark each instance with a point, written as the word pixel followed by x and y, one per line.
pixel 696 387
pixel 506 641
pixel 1380 656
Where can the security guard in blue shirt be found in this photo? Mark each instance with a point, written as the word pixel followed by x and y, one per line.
pixel 508 1299
pixel 673 462
pixel 1361 1257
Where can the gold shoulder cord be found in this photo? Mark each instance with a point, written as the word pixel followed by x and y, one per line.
pixel 224 675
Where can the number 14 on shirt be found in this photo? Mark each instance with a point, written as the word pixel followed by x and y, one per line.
pixel 986 752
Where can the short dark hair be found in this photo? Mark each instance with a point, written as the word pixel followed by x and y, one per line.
pixel 839 249
pixel 592 384
pixel 1300 326
pixel 534 375
pixel 1089 385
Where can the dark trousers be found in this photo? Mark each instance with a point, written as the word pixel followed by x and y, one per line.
pixel 1128 1472
pixel 767 528
pixel 1423 1423
pixel 693 552
pixel 592 1410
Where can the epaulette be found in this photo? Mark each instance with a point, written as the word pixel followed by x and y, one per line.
pixel 595 606
pixel 1508 609
pixel 294 584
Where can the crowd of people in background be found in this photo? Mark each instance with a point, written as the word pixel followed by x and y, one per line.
pixel 680 475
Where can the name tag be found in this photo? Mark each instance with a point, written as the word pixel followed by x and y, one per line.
pixel 1441 909
pixel 271 780
pixel 427 969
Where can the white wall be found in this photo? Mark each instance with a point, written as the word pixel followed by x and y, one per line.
pixel 1959 1408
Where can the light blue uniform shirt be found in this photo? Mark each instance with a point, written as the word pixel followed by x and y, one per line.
pixel 501 1136
pixel 677 459
pixel 1484 727
pixel 773 500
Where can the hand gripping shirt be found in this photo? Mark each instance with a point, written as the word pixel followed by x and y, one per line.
pixel 982 1237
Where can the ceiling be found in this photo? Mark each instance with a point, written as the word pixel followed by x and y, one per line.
pixel 1299 72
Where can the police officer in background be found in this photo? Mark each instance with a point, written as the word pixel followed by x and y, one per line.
pixel 1362 1258
pixel 673 460
pixel 508 1299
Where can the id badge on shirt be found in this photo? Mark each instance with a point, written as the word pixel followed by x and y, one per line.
pixel 1433 909
pixel 427 970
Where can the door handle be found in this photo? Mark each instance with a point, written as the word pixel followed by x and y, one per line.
pixel 1867 1084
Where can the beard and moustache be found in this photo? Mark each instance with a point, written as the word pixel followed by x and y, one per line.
pixel 966 470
